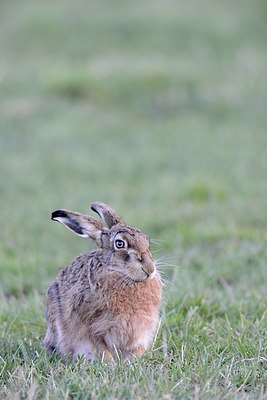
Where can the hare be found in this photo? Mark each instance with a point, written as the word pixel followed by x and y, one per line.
pixel 105 303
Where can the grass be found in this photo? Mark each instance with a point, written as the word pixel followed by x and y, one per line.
pixel 159 109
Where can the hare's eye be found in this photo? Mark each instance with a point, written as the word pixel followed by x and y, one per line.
pixel 120 244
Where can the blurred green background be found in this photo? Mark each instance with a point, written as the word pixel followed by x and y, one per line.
pixel 156 108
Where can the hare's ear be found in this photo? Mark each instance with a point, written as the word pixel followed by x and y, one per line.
pixel 106 213
pixel 82 225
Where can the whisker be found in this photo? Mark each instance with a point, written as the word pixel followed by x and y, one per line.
pixel 157 241
pixel 164 272
pixel 161 265
pixel 166 264
pixel 156 251
pixel 165 277
pixel 167 258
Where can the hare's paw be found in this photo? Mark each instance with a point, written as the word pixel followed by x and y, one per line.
pixel 84 348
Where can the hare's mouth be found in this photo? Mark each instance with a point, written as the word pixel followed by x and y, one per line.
pixel 145 272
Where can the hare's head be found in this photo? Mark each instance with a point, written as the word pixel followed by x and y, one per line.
pixel 126 250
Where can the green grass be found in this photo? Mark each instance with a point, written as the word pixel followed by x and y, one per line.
pixel 159 109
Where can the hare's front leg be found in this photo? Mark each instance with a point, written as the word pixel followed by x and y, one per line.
pixel 91 352
pixel 84 348
pixel 130 355
pixel 139 351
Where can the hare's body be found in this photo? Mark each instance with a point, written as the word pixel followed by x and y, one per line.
pixel 101 304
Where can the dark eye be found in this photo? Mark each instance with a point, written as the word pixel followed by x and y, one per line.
pixel 119 244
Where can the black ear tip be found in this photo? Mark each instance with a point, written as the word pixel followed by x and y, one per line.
pixel 95 205
pixel 58 214
pixel 93 208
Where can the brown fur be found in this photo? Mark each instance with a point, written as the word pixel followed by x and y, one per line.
pixel 104 303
